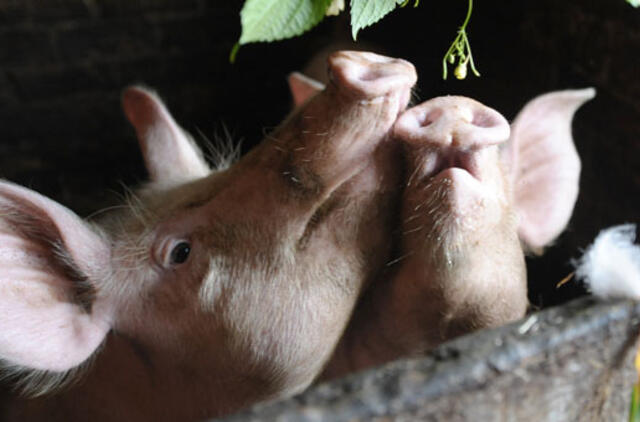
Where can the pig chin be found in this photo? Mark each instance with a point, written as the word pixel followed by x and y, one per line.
pixel 460 210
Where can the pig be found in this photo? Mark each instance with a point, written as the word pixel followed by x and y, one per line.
pixel 478 195
pixel 210 289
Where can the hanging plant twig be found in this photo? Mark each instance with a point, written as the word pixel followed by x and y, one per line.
pixel 461 50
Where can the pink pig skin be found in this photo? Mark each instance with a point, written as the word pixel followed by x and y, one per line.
pixel 209 290
pixel 477 197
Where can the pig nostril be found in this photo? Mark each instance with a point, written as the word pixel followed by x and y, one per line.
pixel 430 117
pixel 370 75
pixel 484 119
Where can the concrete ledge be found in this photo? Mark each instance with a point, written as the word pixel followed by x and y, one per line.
pixel 574 362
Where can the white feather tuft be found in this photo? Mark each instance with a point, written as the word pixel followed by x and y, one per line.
pixel 611 266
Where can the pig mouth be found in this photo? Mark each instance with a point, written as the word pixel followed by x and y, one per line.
pixel 440 164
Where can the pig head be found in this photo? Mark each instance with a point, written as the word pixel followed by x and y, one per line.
pixel 209 289
pixel 478 195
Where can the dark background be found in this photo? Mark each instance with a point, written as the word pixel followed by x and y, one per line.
pixel 63 64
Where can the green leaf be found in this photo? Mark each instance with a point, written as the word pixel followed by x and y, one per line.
pixel 271 20
pixel 368 12
pixel 634 3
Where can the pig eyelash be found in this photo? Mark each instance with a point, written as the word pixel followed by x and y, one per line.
pixel 132 252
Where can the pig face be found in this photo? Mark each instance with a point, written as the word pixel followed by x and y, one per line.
pixel 478 195
pixel 460 228
pixel 228 286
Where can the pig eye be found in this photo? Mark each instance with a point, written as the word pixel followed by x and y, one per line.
pixel 180 253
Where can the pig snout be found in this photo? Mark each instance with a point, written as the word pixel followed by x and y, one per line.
pixel 451 133
pixel 369 76
pixel 332 138
pixel 453 122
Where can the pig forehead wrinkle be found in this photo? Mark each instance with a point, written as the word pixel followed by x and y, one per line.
pixel 241 240
pixel 305 183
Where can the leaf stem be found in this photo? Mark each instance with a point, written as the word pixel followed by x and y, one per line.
pixel 466 20
pixel 234 53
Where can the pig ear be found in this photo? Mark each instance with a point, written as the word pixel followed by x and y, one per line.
pixel 544 165
pixel 302 88
pixel 169 154
pixel 50 259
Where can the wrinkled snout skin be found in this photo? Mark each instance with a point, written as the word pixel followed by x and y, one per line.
pixel 278 249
